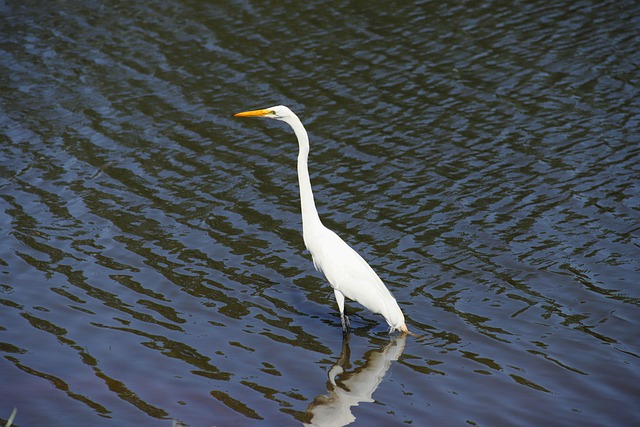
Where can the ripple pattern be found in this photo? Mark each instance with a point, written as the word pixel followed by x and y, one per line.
pixel 482 157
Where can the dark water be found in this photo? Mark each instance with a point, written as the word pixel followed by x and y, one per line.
pixel 484 157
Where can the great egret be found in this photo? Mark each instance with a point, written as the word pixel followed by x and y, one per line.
pixel 348 273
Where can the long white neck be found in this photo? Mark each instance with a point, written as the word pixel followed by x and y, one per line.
pixel 310 216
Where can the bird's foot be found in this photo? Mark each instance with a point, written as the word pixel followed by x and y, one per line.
pixel 346 326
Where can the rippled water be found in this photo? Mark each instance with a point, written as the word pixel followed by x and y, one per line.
pixel 482 156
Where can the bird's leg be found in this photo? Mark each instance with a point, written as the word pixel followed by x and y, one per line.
pixel 343 317
pixel 346 326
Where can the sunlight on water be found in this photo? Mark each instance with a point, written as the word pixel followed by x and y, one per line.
pixel 482 158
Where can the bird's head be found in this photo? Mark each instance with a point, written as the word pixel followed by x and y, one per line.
pixel 279 112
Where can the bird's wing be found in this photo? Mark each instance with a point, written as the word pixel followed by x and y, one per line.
pixel 350 274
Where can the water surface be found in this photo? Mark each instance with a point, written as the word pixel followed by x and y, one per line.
pixel 483 157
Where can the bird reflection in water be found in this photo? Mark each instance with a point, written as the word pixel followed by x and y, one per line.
pixel 352 387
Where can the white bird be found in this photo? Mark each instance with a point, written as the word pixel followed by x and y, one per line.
pixel 348 273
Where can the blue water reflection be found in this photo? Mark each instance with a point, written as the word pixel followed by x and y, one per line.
pixel 481 156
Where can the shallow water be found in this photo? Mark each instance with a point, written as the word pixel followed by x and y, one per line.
pixel 482 157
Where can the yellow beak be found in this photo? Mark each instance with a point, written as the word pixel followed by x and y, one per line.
pixel 253 113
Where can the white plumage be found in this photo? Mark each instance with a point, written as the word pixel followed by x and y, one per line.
pixel 347 272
